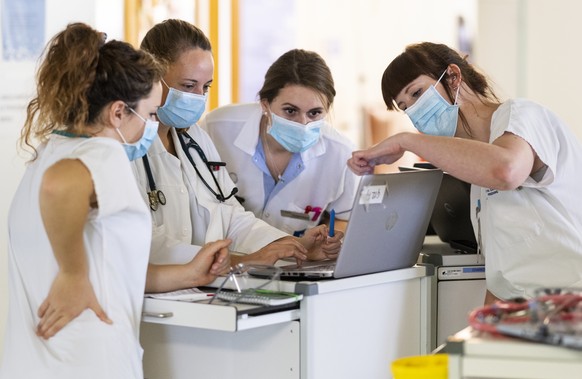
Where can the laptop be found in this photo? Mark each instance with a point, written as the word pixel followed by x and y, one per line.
pixel 386 230
pixel 451 216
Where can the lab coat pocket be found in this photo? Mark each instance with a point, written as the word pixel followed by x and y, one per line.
pixel 219 222
pixel 512 219
pixel 157 219
pixel 158 230
pixel 294 220
pixel 159 245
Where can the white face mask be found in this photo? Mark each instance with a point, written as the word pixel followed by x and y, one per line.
pixel 433 115
pixel 294 136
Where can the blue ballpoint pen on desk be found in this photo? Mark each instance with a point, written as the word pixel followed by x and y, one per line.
pixel 331 223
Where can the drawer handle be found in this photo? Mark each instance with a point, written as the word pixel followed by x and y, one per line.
pixel 158 315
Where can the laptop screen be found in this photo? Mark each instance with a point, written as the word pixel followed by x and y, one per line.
pixel 451 216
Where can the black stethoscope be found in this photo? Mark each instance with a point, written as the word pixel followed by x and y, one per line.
pixel 157 197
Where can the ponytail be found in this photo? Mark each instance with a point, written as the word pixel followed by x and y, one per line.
pixel 79 75
pixel 65 75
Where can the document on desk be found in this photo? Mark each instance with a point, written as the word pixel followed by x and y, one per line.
pixel 188 294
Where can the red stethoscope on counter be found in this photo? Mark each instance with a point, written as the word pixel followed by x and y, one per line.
pixel 553 317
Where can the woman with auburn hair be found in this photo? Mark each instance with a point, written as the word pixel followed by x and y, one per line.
pixel 523 163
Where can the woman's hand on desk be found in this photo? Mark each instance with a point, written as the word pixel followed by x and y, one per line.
pixel 332 245
pixel 320 245
pixel 286 247
pixel 314 245
pixel 212 260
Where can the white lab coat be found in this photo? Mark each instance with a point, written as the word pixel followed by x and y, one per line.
pixel 117 241
pixel 192 215
pixel 532 236
pixel 324 181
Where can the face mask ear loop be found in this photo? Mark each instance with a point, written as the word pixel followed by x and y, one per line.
pixel 135 113
pixel 269 115
pixel 117 128
pixel 166 84
pixel 121 135
pixel 443 74
pixel 457 95
pixel 458 88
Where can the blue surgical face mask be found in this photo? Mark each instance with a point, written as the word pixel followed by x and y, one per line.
pixel 140 148
pixel 181 109
pixel 293 136
pixel 432 114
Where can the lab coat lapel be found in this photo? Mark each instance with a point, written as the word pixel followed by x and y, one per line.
pixel 248 137
pixel 218 214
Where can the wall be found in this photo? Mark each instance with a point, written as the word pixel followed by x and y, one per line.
pixel 356 38
pixel 525 47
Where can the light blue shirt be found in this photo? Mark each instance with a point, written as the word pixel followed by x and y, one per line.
pixel 271 187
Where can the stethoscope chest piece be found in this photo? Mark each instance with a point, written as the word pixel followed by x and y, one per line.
pixel 161 197
pixel 156 197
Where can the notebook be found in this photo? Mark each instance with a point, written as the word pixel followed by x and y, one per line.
pixel 386 230
pixel 259 296
pixel 187 294
pixel 451 216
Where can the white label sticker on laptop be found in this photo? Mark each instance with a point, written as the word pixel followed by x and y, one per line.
pixel 373 194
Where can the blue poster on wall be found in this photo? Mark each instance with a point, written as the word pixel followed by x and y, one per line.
pixel 23 25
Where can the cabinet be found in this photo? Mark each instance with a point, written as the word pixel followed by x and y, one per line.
pixel 343 328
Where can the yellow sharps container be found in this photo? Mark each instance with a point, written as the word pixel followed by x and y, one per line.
pixel 421 367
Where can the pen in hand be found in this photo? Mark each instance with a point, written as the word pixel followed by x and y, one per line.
pixel 331 223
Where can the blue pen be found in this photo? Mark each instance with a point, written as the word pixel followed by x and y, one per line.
pixel 331 222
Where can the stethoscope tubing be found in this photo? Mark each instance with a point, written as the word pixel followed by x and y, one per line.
pixel 156 196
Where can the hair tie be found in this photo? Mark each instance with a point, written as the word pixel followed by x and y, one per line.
pixel 103 38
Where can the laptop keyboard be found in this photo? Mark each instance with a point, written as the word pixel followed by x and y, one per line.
pixel 325 267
